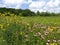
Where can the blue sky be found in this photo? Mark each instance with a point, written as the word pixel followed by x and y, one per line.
pixel 33 5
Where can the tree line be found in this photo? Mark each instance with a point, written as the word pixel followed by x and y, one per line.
pixel 26 12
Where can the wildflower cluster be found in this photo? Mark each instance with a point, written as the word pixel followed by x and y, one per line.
pixel 17 31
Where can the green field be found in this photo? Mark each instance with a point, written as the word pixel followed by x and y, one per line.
pixel 34 30
pixel 44 20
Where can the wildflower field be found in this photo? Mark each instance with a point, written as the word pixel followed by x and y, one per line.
pixel 18 30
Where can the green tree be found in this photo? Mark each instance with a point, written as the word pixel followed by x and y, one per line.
pixel 38 13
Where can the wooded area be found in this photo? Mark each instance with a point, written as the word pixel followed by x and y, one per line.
pixel 26 12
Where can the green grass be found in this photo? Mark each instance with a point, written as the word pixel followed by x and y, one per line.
pixel 16 30
pixel 44 20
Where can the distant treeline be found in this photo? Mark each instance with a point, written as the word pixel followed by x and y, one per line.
pixel 26 12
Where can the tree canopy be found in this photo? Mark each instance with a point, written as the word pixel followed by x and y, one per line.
pixel 26 12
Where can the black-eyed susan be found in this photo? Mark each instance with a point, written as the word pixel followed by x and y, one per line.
pixel 46 33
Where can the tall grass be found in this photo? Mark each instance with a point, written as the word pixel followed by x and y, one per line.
pixel 16 30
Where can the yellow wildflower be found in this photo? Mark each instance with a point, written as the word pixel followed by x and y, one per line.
pixel 51 30
pixel 17 21
pixel 54 27
pixel 27 24
pixel 21 33
pixel 3 14
pixel 53 44
pixel 0 13
pixel 7 24
pixel 56 44
pixel 1 26
pixel 29 27
pixel 10 20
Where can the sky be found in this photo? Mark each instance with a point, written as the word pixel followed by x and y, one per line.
pixel 33 5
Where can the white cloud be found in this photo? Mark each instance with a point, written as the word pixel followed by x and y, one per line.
pixel 1 5
pixel 13 1
pixel 36 5
pixel 52 6
pixel 53 3
pixel 42 6
pixel 16 3
pixel 18 6
pixel 29 1
pixel 57 2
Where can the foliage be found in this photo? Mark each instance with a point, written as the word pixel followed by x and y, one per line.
pixel 26 12
pixel 20 12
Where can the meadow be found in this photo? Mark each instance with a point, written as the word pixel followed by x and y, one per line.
pixel 34 30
